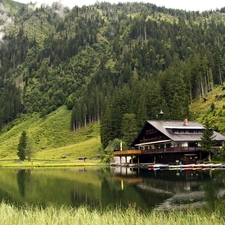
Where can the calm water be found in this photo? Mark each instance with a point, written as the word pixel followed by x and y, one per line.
pixel 147 190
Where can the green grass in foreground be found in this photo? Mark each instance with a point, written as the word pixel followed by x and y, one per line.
pixel 10 215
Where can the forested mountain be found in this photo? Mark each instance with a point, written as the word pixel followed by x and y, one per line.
pixel 118 64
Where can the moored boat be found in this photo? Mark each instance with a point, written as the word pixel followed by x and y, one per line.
pixel 158 166
pixel 185 166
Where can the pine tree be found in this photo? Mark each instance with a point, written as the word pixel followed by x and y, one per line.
pixel 22 146
pixel 29 149
pixel 207 140
pixel 129 128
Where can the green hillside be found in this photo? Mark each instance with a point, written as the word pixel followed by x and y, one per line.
pixel 114 64
pixel 211 108
pixel 51 136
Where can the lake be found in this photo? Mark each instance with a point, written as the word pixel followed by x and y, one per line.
pixel 103 187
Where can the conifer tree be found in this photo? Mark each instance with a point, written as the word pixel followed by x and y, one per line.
pixel 129 128
pixel 29 149
pixel 22 146
pixel 208 139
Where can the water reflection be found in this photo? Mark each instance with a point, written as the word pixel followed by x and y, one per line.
pixel 22 178
pixel 146 190
pixel 177 189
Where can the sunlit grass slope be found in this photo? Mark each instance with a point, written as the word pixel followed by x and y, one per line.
pixel 211 109
pixel 51 137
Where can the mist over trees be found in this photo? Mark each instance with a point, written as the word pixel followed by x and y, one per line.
pixel 109 63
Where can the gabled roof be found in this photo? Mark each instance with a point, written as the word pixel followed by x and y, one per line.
pixel 166 127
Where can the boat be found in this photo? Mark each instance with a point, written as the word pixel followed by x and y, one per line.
pixel 186 166
pixel 158 167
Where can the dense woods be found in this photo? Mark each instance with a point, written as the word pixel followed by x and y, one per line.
pixel 114 64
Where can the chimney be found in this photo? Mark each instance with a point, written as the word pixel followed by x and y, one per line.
pixel 185 121
pixel 161 113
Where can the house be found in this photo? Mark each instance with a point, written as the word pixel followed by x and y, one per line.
pixel 170 142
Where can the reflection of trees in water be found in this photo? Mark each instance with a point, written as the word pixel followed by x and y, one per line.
pixel 110 194
pixel 124 194
pixel 82 194
pixel 105 172
pixel 22 178
pixel 214 189
pixel 211 192
pixel 147 189
pixel 79 198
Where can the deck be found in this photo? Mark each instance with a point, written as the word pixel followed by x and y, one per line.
pixel 128 153
pixel 157 151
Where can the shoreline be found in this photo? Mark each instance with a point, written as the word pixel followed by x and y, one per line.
pixel 48 163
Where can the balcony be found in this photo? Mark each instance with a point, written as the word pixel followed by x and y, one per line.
pixel 127 152
pixel 157 151
pixel 171 150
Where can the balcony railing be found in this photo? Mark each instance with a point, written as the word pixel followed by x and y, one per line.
pixel 155 151
pixel 171 149
pixel 127 152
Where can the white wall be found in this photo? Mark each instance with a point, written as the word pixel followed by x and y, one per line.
pixel 123 159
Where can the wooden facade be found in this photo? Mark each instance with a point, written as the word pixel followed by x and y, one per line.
pixel 169 142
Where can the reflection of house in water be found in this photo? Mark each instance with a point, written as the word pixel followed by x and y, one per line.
pixel 177 189
pixel 175 181
pixel 170 181
pixel 123 170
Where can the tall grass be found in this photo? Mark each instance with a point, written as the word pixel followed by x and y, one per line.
pixel 10 215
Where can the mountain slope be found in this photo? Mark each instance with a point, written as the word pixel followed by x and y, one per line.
pixel 51 137
pixel 105 62
pixel 211 108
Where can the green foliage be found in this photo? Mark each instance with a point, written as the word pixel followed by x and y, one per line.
pixel 107 157
pixel 114 145
pixel 51 137
pixel 129 128
pixel 107 60
pixel 208 141
pixel 10 103
pixel 212 107
pixel 30 150
pixel 221 156
pixel 22 146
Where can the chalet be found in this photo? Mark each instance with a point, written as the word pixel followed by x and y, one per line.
pixel 169 142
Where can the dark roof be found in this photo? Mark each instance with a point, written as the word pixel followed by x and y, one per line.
pixel 166 128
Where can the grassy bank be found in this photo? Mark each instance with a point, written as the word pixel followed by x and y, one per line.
pixel 50 163
pixel 68 216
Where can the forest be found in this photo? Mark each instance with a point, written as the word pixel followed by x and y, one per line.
pixel 113 64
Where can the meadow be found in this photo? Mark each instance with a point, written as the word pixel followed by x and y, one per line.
pixel 51 137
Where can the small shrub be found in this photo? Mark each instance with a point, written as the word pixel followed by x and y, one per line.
pixel 212 107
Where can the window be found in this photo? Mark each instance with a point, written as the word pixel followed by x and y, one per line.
pixel 187 131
